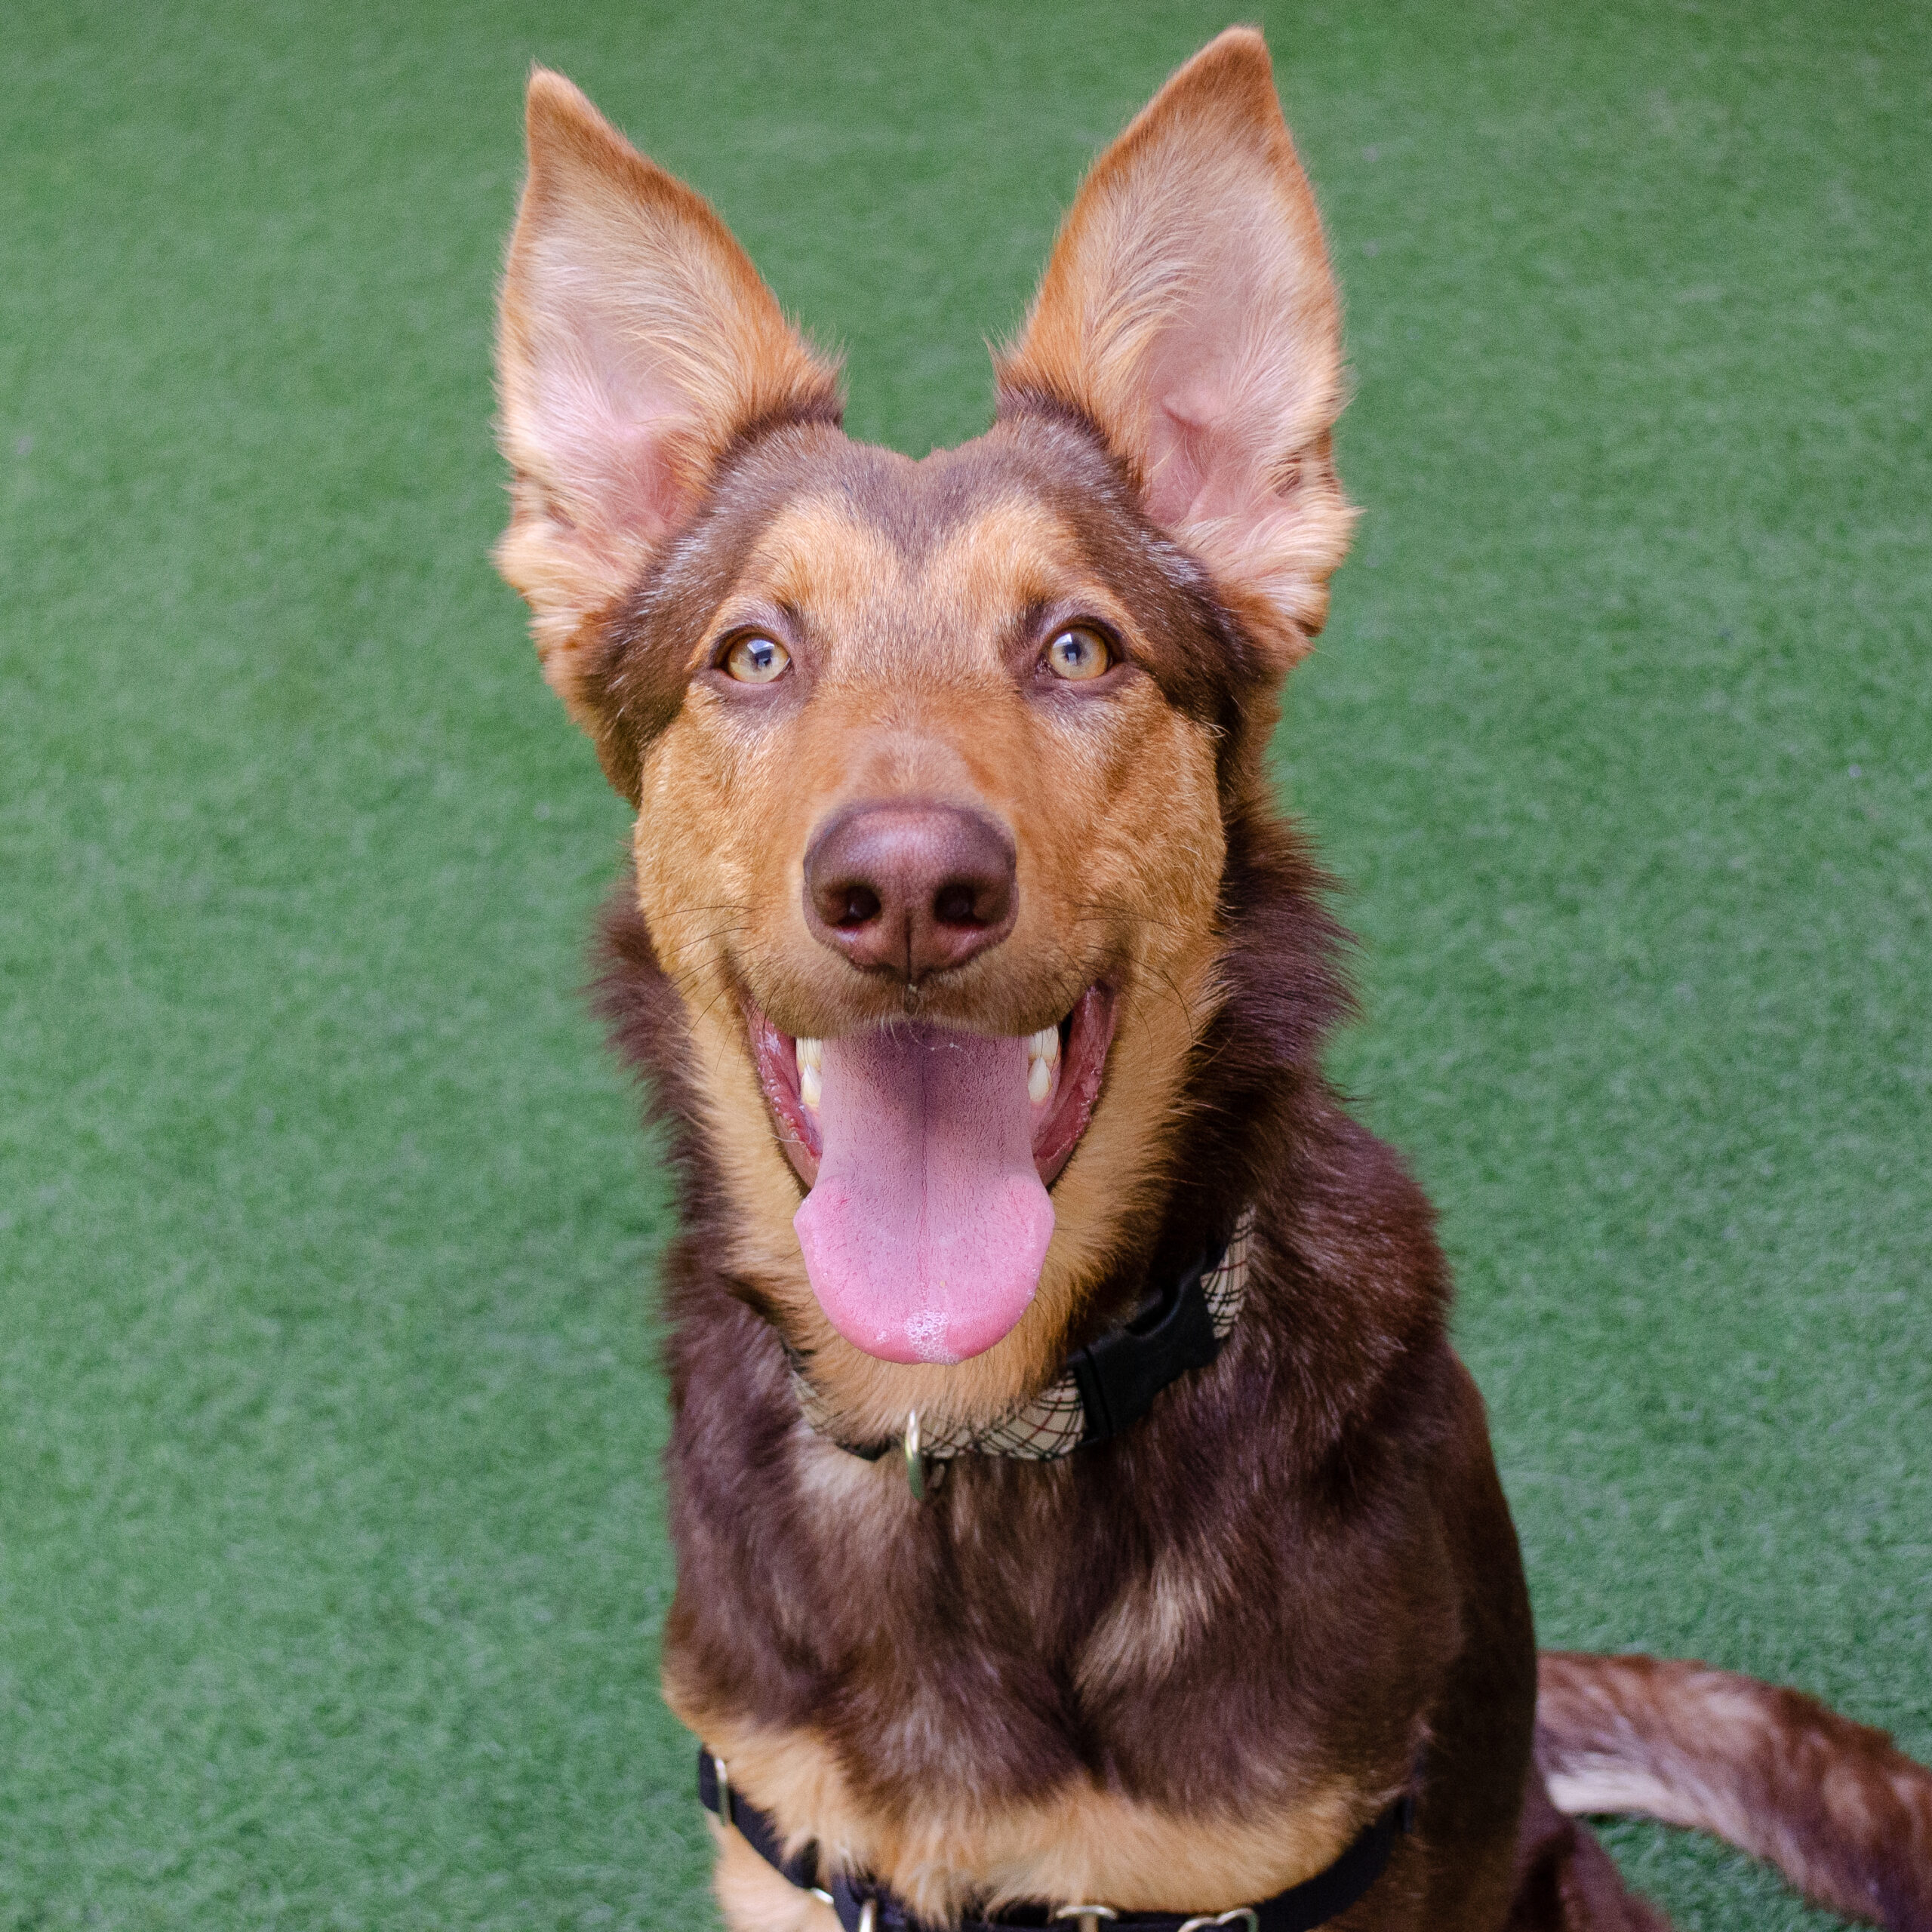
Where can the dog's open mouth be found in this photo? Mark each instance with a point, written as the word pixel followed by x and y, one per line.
pixel 928 1153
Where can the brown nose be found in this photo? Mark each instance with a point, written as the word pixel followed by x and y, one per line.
pixel 911 886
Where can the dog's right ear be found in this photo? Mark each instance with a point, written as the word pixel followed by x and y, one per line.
pixel 635 343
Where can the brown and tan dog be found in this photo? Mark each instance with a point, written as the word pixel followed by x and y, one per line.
pixel 984 989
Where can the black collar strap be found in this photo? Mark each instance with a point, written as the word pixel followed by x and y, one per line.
pixel 863 1906
pixel 1105 1387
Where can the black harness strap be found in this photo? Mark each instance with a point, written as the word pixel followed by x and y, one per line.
pixel 859 1904
pixel 715 1795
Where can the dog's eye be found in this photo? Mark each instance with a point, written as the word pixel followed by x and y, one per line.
pixel 1078 654
pixel 757 660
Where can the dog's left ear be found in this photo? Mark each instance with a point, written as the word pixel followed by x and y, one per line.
pixel 1188 312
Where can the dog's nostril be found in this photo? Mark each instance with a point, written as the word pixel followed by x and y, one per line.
pixel 859 908
pixel 955 904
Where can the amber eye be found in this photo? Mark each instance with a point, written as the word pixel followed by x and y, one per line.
pixel 1078 654
pixel 757 660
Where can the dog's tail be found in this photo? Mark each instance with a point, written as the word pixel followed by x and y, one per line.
pixel 1843 1815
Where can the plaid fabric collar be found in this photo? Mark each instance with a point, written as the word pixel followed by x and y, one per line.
pixel 1105 1387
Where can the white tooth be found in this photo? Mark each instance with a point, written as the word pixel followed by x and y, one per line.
pixel 811 1083
pixel 1039 1080
pixel 1044 1044
pixel 811 1053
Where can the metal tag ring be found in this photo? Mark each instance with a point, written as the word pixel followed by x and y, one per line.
pixel 915 1460
pixel 1207 1918
pixel 1089 1915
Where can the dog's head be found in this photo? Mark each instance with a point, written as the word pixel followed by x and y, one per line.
pixel 934 762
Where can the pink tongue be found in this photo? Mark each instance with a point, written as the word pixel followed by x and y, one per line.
pixel 924 1233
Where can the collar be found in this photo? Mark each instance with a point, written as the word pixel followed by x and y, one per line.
pixel 1105 1387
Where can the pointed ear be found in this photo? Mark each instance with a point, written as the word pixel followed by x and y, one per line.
pixel 635 343
pixel 1188 312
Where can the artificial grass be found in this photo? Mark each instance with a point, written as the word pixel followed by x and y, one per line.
pixel 330 1560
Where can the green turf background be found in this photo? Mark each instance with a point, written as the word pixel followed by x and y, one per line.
pixel 331 1564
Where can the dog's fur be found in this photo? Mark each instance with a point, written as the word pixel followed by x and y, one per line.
pixel 1180 1670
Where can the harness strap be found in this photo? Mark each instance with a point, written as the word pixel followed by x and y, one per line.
pixel 863 1906
pixel 715 1795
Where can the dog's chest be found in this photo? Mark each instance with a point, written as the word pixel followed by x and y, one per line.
pixel 1028 1685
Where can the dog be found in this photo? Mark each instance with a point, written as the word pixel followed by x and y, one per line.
pixel 1080 1513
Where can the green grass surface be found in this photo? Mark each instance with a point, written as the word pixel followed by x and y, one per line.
pixel 331 1563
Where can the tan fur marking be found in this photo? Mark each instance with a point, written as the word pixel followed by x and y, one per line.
pixel 1087 1844
pixel 751 1897
pixel 1147 1629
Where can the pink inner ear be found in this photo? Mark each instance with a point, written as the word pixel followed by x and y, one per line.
pixel 1231 403
pixel 1207 470
pixel 1219 391
pixel 1192 473
pixel 607 428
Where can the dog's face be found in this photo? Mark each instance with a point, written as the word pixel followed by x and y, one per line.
pixel 931 760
